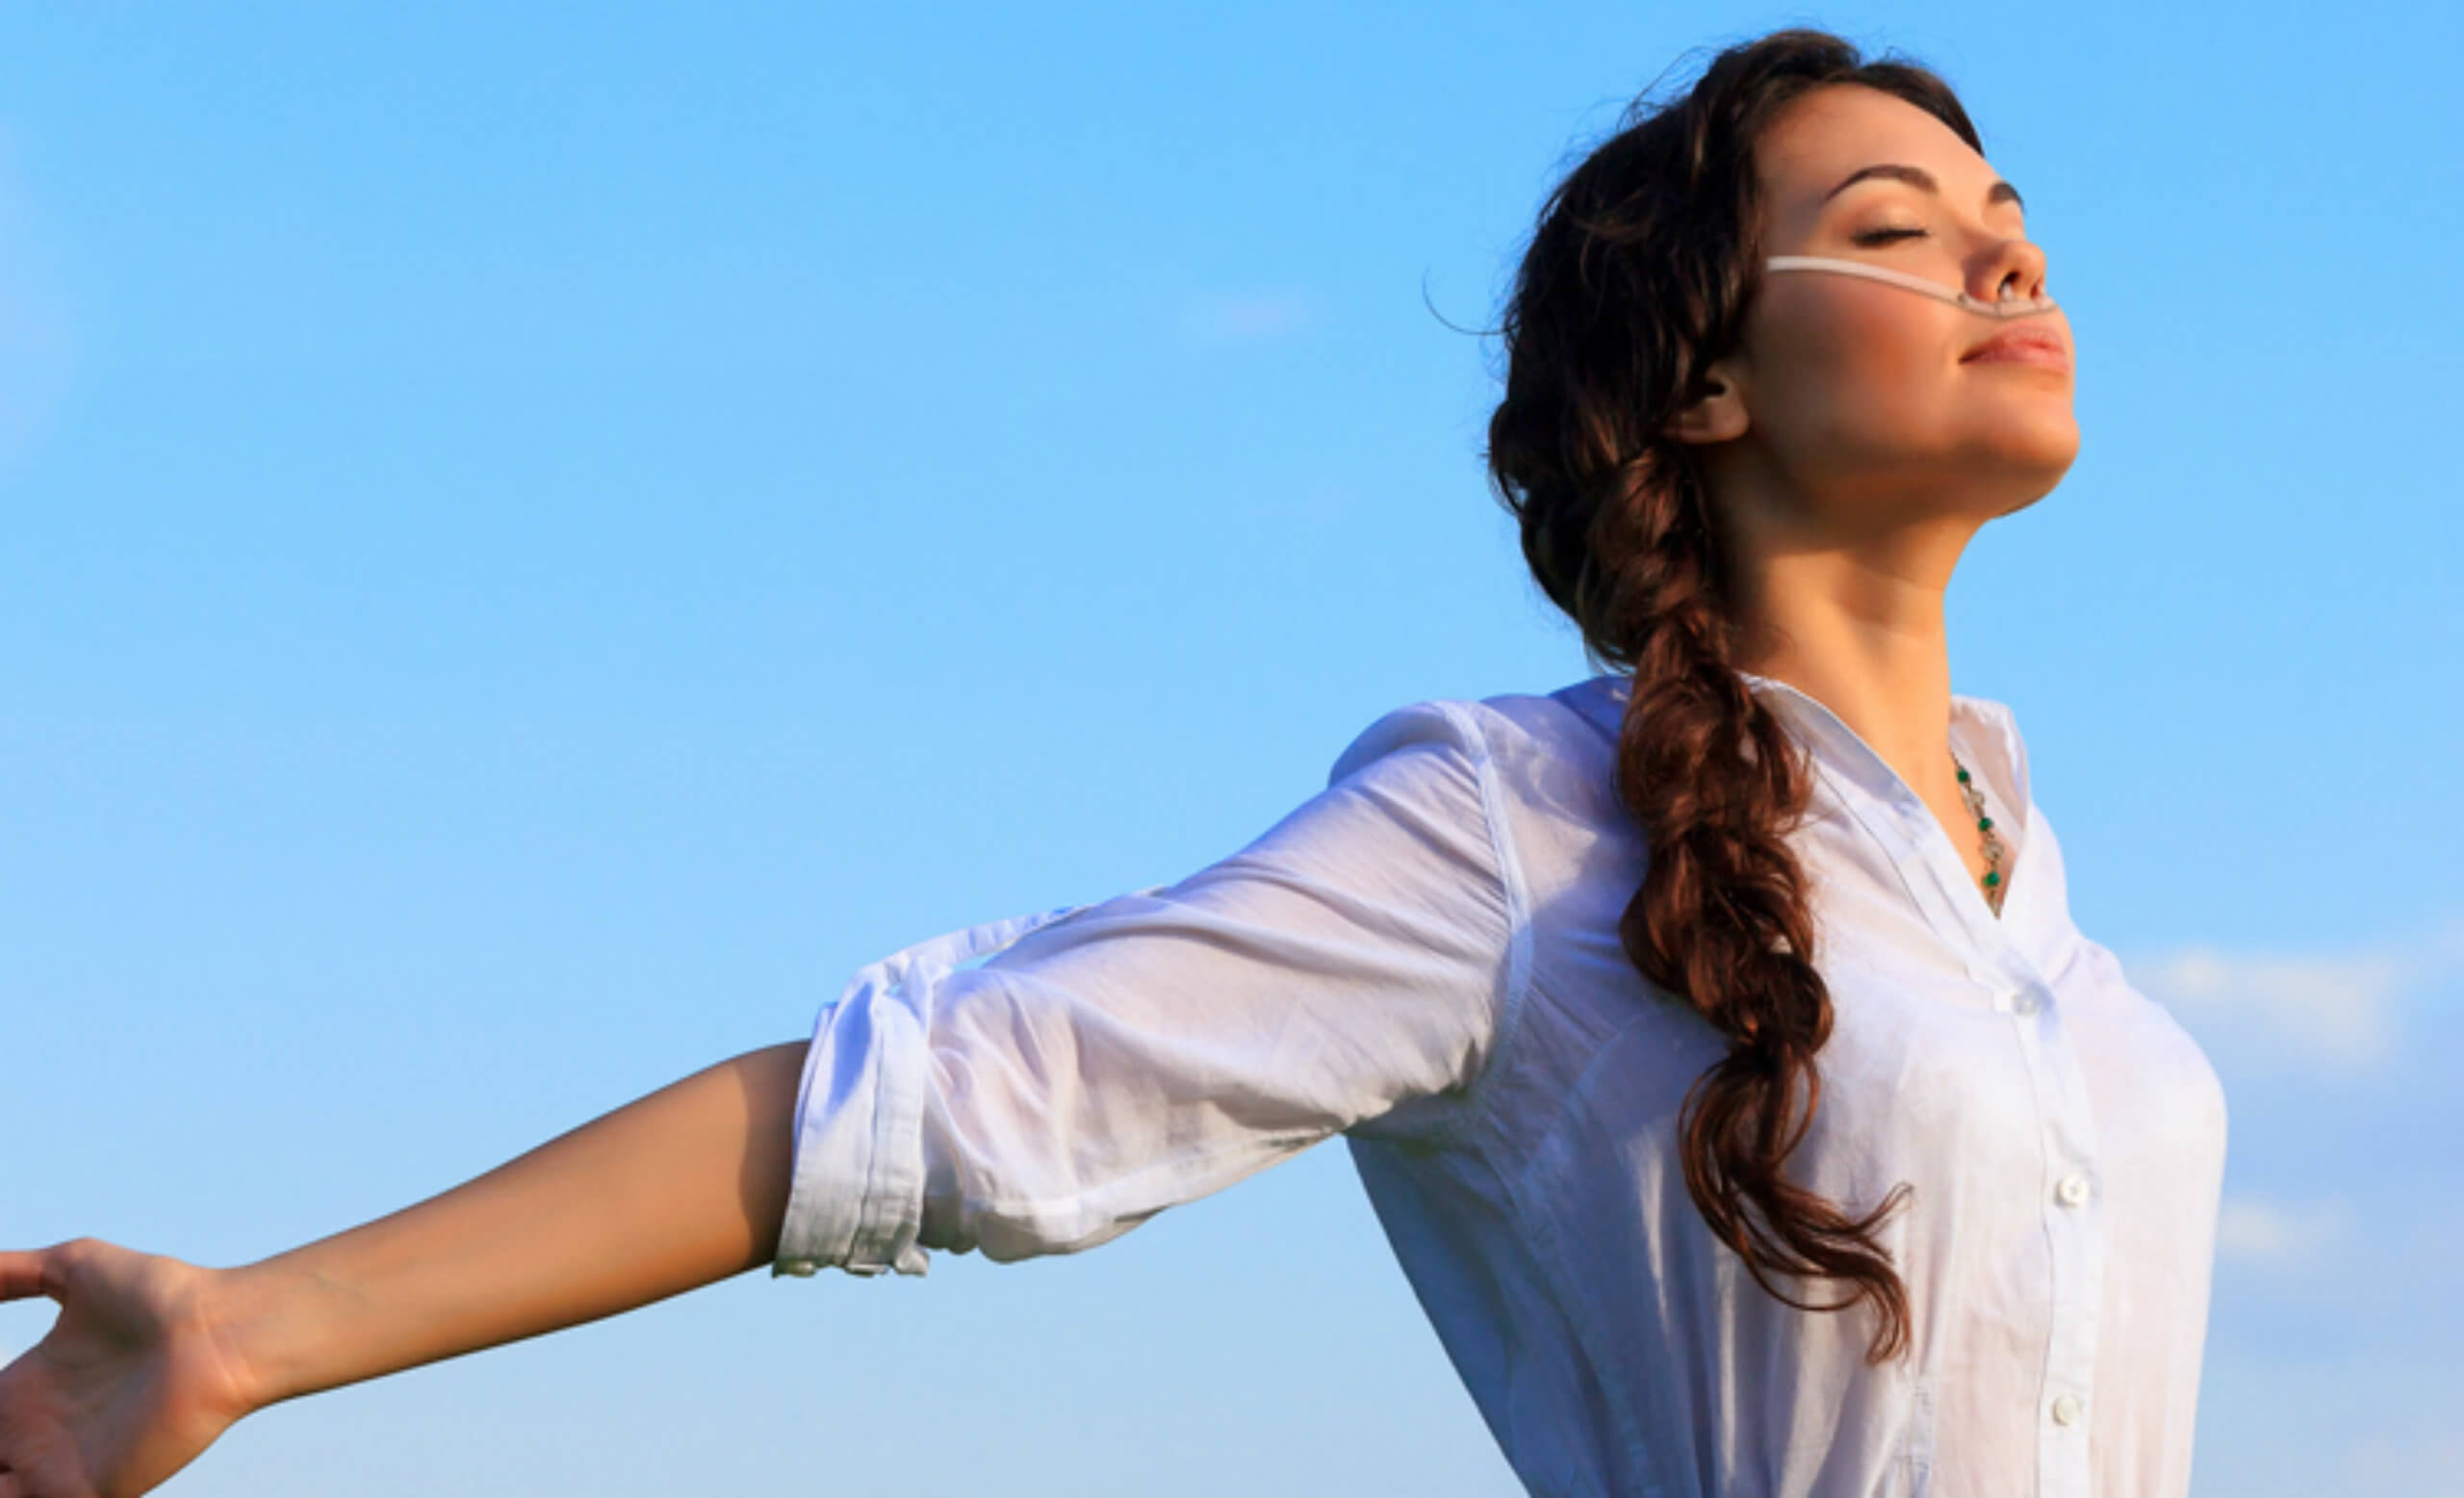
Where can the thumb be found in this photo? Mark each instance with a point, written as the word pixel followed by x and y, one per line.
pixel 25 1273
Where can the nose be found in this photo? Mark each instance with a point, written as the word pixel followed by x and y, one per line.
pixel 2013 272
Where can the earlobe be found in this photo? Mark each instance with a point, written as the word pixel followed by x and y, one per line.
pixel 1718 415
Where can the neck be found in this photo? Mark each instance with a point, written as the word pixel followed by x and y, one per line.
pixel 1861 631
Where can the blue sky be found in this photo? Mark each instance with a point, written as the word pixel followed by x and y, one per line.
pixel 538 540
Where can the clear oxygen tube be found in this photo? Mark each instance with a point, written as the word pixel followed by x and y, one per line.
pixel 2010 307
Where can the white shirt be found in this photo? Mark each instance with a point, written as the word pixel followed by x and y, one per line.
pixel 1424 957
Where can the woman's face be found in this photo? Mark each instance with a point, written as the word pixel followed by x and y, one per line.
pixel 1864 402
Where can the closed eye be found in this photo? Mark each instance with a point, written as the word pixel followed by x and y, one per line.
pixel 1885 236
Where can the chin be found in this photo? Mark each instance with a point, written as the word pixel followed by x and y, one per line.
pixel 2031 481
pixel 2031 455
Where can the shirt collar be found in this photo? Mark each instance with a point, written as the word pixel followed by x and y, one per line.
pixel 1864 785
pixel 1982 729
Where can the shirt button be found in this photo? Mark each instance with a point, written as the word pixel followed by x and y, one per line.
pixel 798 1266
pixel 2024 1002
pixel 2065 1411
pixel 2073 1189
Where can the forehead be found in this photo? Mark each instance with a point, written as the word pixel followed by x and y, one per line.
pixel 1822 137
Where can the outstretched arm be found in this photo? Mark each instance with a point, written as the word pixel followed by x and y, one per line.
pixel 667 1194
pixel 152 1358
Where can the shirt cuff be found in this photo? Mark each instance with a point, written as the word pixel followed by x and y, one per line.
pixel 856 1200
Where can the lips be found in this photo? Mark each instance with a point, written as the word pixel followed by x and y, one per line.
pixel 2022 344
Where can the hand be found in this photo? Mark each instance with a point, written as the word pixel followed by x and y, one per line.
pixel 135 1378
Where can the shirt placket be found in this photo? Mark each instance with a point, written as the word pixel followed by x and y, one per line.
pixel 2069 1193
pixel 2070 1200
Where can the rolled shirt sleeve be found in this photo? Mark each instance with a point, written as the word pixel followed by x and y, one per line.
pixel 1104 1061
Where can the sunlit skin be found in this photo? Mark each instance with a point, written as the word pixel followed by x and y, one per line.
pixel 1851 444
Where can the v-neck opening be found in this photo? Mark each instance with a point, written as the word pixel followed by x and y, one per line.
pixel 1916 822
pixel 2001 807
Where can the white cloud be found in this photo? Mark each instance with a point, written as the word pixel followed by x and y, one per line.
pixel 2275 1234
pixel 2334 1008
pixel 1255 317
pixel 2332 1011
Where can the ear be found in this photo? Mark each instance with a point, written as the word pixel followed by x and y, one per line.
pixel 1718 416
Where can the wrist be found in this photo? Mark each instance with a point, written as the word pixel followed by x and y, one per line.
pixel 264 1317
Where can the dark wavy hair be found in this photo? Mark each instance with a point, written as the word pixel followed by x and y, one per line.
pixel 1637 277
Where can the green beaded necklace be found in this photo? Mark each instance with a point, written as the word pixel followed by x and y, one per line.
pixel 1975 797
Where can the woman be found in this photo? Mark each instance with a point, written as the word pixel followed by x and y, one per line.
pixel 1712 1035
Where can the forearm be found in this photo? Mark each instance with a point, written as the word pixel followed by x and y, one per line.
pixel 674 1191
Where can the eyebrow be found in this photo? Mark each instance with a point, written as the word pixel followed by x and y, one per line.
pixel 1917 176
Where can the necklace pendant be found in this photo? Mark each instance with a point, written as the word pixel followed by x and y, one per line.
pixel 1974 796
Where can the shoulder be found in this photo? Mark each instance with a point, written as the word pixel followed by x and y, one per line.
pixel 1577 722
pixel 1534 772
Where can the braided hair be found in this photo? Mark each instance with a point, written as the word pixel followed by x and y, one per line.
pixel 1635 280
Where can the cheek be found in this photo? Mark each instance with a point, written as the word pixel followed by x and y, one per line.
pixel 1864 349
pixel 1854 376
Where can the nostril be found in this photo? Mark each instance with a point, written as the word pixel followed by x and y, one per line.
pixel 2018 286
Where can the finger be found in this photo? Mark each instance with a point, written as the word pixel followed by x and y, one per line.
pixel 21 1275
